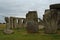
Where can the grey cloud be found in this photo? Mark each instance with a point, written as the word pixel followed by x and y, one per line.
pixel 21 7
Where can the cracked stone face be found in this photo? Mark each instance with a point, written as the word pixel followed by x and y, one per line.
pixel 7 19
pixel 32 27
pixel 32 22
pixel 50 21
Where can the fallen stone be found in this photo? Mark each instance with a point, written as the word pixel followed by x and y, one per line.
pixel 8 31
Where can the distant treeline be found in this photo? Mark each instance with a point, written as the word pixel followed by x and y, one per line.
pixel 2 23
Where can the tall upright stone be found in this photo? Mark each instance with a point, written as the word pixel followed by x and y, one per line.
pixel 8 30
pixel 15 22
pixel 32 27
pixel 7 20
pixel 57 8
pixel 19 22
pixel 50 21
pixel 32 22
pixel 11 22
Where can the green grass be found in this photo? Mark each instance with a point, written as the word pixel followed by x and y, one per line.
pixel 21 34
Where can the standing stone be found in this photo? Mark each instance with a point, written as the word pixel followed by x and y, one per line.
pixel 19 22
pixel 11 22
pixel 32 22
pixel 57 7
pixel 50 21
pixel 7 22
pixel 8 30
pixel 15 22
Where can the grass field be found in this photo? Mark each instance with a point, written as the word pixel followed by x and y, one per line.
pixel 21 34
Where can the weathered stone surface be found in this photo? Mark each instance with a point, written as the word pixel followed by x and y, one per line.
pixel 32 22
pixel 41 27
pixel 55 6
pixel 32 27
pixel 58 20
pixel 7 19
pixel 32 15
pixel 11 22
pixel 15 22
pixel 50 21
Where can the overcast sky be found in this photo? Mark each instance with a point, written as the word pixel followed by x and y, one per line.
pixel 19 8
